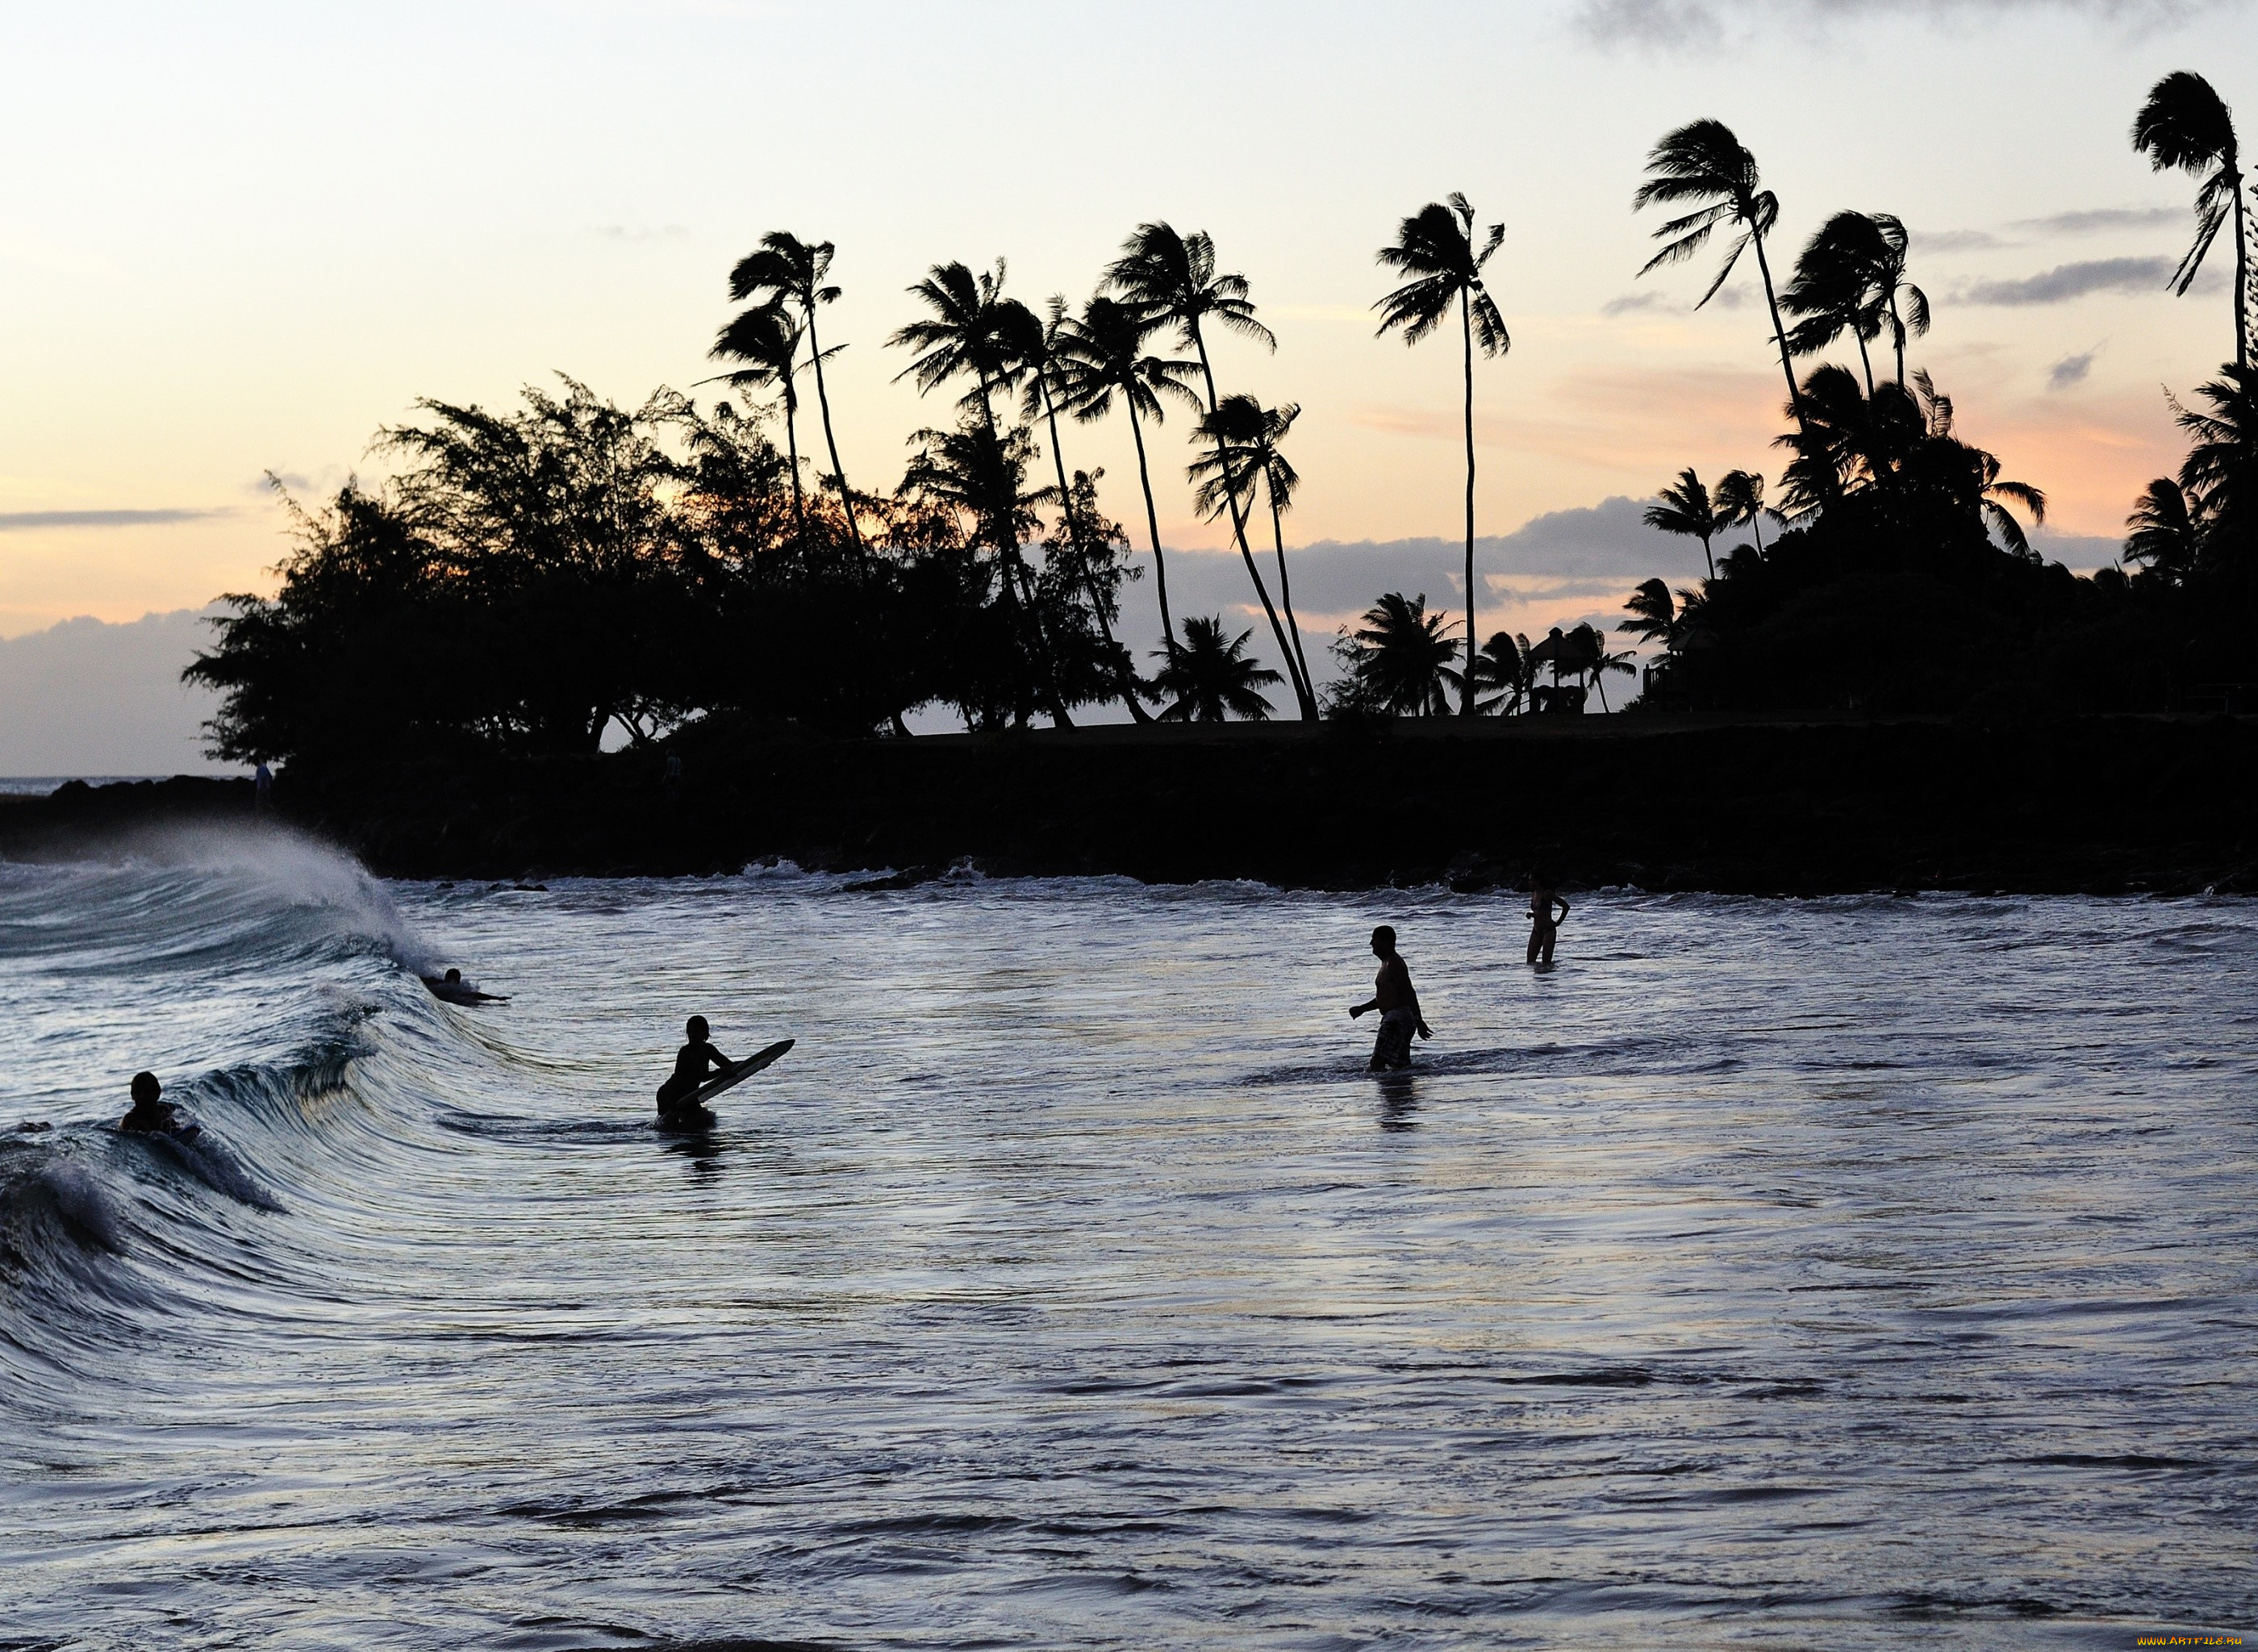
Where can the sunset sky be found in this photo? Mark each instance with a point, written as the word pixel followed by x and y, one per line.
pixel 236 239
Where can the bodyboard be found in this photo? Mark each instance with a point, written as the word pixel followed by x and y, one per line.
pixel 736 1074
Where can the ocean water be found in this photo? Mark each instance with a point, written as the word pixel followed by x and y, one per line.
pixel 1863 1273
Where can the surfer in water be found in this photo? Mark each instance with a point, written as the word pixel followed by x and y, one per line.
pixel 152 1116
pixel 691 1063
pixel 1544 923
pixel 1398 1003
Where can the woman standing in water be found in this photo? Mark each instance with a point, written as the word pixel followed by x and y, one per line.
pixel 1543 925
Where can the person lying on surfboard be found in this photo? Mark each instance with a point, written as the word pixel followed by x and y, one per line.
pixel 152 1116
pixel 691 1063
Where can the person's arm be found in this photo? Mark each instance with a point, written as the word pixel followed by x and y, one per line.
pixel 1563 906
pixel 1418 1014
pixel 1356 1010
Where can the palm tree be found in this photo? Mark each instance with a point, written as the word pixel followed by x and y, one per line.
pixel 1399 660
pixel 1209 677
pixel 1500 666
pixel 1170 278
pixel 766 339
pixel 1653 620
pixel 1036 353
pixel 1970 473
pixel 1834 288
pixel 2221 469
pixel 1247 451
pixel 974 329
pixel 2186 124
pixel 785 267
pixel 1435 247
pixel 1906 304
pixel 1739 502
pixel 1687 508
pixel 1591 661
pixel 1704 162
pixel 2166 531
pixel 1103 355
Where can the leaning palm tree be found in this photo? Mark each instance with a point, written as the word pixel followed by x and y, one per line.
pixel 2186 124
pixel 1399 660
pixel 1501 667
pixel 785 267
pixel 1210 676
pixel 1835 289
pixel 1170 278
pixel 1435 247
pixel 1739 502
pixel 1653 618
pixel 1685 508
pixel 766 339
pixel 1591 662
pixel 1103 355
pixel 1704 162
pixel 1246 436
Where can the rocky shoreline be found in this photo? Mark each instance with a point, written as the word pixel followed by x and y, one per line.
pixel 2111 806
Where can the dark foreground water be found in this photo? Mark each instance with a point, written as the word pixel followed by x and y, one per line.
pixel 1841 1273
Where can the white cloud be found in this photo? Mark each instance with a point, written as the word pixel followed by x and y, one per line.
pixel 86 698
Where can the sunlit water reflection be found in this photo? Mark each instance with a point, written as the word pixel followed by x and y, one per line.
pixel 1768 1274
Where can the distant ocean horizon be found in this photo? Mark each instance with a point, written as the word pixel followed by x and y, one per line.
pixel 40 785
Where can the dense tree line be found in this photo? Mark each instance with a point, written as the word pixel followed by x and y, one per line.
pixel 524 581
pixel 1899 576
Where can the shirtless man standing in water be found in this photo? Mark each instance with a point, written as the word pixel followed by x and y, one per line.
pixel 1398 1003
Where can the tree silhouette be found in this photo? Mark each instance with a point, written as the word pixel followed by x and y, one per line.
pixel 1435 248
pixel 1247 434
pixel 1704 162
pixel 1835 289
pixel 766 339
pixel 1399 659
pixel 1685 508
pixel 1653 618
pixel 1739 502
pixel 2166 531
pixel 2185 125
pixel 1209 676
pixel 2221 471
pixel 1103 355
pixel 785 267
pixel 1035 348
pixel 973 329
pixel 1170 278
pixel 1907 305
pixel 1499 666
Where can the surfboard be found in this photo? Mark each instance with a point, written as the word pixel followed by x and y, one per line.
pixel 736 1074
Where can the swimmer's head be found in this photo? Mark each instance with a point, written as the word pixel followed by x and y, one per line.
pixel 146 1088
pixel 697 1028
pixel 1383 941
pixel 454 975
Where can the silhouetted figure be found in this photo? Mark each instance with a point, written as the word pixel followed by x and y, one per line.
pixel 674 774
pixel 1398 1003
pixel 262 787
pixel 692 1063
pixel 1544 923
pixel 452 987
pixel 152 1115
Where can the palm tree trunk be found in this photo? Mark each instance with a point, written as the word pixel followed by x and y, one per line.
pixel 1285 590
pixel 792 446
pixel 1007 550
pixel 1897 336
pixel 1467 326
pixel 1865 361
pixel 2241 271
pixel 1301 694
pixel 823 400
pixel 1136 714
pixel 1152 527
pixel 1707 557
pixel 1778 332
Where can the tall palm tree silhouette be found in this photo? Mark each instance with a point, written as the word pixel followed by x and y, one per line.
pixel 1835 289
pixel 1702 161
pixel 1435 247
pixel 1035 348
pixel 1685 508
pixel 1103 355
pixel 1170 278
pixel 766 339
pixel 1210 676
pixel 1246 452
pixel 2186 124
pixel 1906 304
pixel 973 329
pixel 785 267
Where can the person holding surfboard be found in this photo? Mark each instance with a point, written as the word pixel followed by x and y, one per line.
pixel 691 1063
pixel 1398 1003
